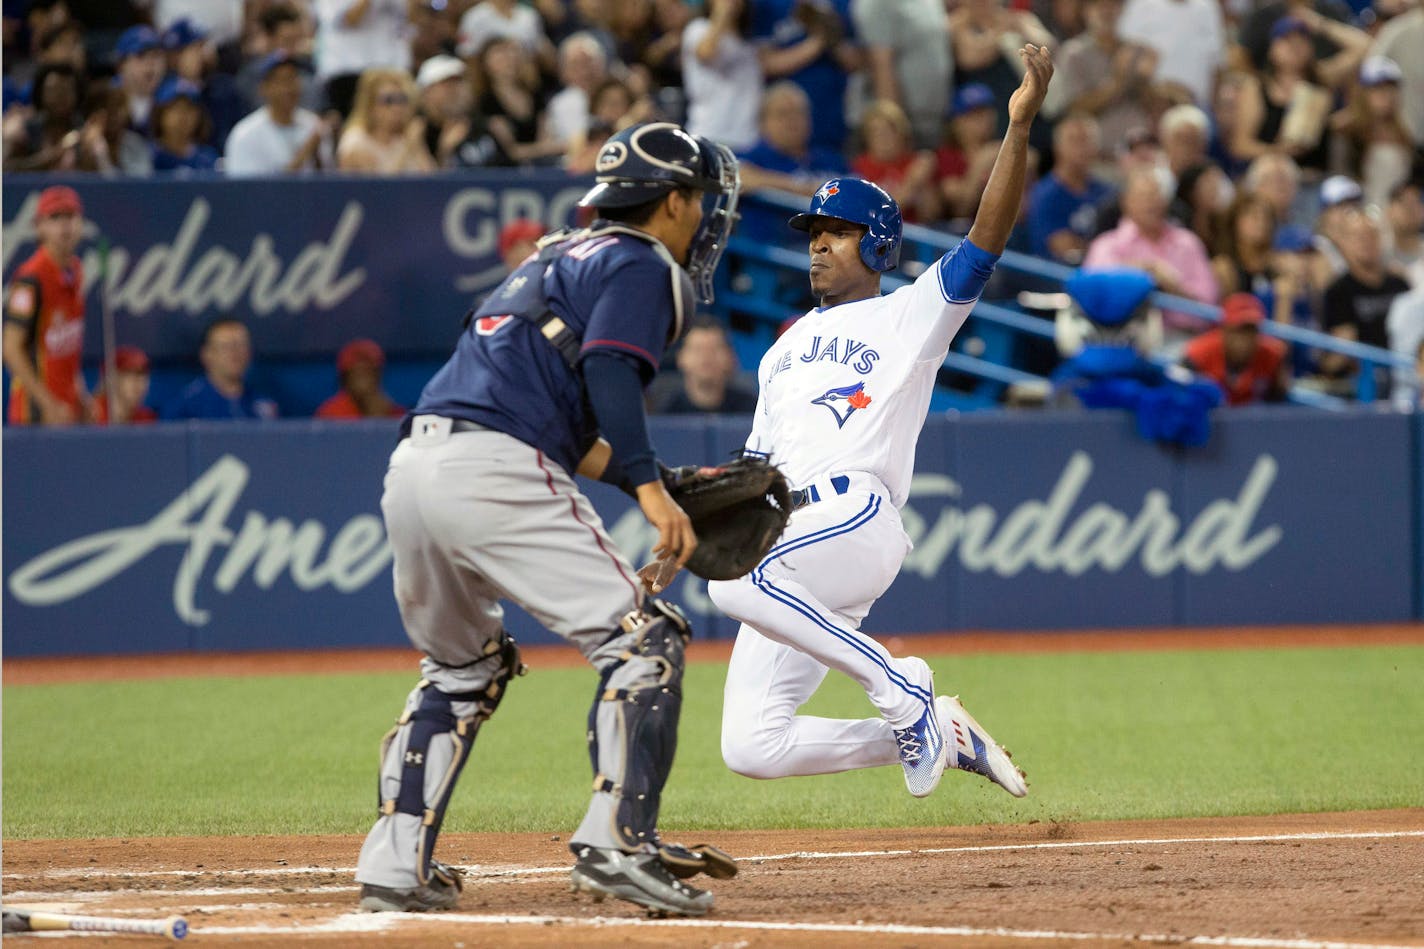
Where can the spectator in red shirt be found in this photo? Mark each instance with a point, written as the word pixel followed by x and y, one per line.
pixel 122 403
pixel 359 366
pixel 1248 366
pixel 518 239
pixel 889 159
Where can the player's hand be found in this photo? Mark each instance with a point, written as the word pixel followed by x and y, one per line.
pixel 676 538
pixel 1028 97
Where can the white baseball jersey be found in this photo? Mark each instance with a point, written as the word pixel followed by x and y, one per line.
pixel 847 387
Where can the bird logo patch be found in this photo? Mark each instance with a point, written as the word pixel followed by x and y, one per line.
pixel 829 188
pixel 844 401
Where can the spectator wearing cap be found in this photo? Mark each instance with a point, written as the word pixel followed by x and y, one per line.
pixel 1401 39
pixel 43 337
pixel 1339 196
pixel 722 75
pixel 1146 239
pixel 1357 303
pixel 1100 74
pixel 222 391
pixel 1254 32
pixel 281 28
pixel 985 36
pixel 121 401
pixel 193 58
pixel 783 158
pixel 181 128
pixel 1248 365
pixel 889 158
pixel 813 45
pixel 455 135
pixel 1372 144
pixel 1300 276
pixel 909 59
pixel 140 65
pixel 963 163
pixel 280 137
pixel 220 21
pixel 1405 215
pixel 1188 36
pixel 505 19
pixel 355 35
pixel 1285 110
pixel 1063 205
pixel 518 239
pixel 359 366
pixel 383 135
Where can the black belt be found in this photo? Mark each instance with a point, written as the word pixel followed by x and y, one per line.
pixel 456 425
pixel 811 494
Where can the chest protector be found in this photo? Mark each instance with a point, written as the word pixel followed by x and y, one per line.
pixel 522 294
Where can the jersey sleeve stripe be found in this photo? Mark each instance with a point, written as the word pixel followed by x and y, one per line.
pixel 619 344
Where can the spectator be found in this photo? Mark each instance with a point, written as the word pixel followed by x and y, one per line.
pixel 1254 34
pixel 1372 144
pixel 1405 214
pixel 583 64
pixel 1063 205
pixel 1333 46
pixel 512 104
pixel 611 107
pixel 963 163
pixel 455 135
pixel 663 53
pixel 383 136
pixel 48 139
pixel 1405 327
pixel 221 21
pixel 1226 119
pixel 64 44
pixel 889 159
pixel 222 392
pixel 1285 110
pixel 191 57
pixel 180 128
pixel 1357 303
pixel 140 67
pixel 811 43
pixel 784 156
pixel 1243 261
pixel 1099 74
pixel 1401 39
pixel 1339 198
pixel 1276 177
pixel 280 136
pixel 1248 365
pixel 108 145
pixel 985 35
pixel 359 366
pixel 505 19
pixel 43 339
pixel 1173 255
pixel 706 379
pixel 909 57
pixel 722 75
pixel 517 240
pixel 122 402
pixel 1204 195
pixel 1298 279
pixel 1185 132
pixel 355 35
pixel 281 28
pixel 1188 36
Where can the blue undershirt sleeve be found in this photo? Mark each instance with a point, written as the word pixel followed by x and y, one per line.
pixel 615 392
pixel 964 271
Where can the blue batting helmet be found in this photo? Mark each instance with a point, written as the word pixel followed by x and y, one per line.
pixel 860 202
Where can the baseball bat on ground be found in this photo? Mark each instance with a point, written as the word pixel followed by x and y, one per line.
pixel 20 921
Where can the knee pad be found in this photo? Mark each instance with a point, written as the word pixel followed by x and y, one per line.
pixel 632 725
pixel 423 755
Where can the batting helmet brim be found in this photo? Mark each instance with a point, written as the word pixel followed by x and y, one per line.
pixel 802 221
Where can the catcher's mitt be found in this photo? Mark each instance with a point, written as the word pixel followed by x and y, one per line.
pixel 738 511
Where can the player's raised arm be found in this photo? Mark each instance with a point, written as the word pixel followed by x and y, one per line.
pixel 999 208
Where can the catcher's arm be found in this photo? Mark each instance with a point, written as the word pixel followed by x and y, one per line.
pixel 594 464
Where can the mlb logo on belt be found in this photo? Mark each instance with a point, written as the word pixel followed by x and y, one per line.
pixel 844 401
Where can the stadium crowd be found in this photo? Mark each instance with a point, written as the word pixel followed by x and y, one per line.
pixel 1270 147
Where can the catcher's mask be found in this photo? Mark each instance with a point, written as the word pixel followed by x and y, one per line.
pixel 860 202
pixel 643 162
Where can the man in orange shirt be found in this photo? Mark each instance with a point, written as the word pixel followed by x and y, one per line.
pixel 1248 366
pixel 43 338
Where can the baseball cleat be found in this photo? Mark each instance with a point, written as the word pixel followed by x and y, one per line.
pixel 922 753
pixel 639 878
pixel 442 892
pixel 971 748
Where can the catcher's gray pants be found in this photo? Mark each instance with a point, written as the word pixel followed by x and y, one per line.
pixel 473 517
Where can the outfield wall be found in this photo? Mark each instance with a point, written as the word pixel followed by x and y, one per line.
pixel 230 536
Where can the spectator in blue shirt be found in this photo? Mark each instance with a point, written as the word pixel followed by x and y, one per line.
pixel 180 127
pixel 813 44
pixel 222 391
pixel 1063 206
pixel 783 158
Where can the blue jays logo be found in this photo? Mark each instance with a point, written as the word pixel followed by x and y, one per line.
pixel 844 401
pixel 828 189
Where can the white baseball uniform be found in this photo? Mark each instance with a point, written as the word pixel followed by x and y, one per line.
pixel 844 394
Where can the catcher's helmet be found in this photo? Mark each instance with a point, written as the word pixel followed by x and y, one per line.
pixel 860 202
pixel 644 162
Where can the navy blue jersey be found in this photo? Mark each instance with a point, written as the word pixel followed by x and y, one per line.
pixel 614 290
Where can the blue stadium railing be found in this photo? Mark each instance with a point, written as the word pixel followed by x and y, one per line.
pixel 763 280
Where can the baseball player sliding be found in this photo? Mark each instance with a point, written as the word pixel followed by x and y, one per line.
pixel 480 504
pixel 843 397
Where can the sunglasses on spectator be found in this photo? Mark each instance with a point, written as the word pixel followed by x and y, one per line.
pixel 393 98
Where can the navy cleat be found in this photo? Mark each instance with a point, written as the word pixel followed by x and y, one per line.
pixel 971 748
pixel 922 753
pixel 639 878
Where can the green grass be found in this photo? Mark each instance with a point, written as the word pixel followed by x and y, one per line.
pixel 1103 736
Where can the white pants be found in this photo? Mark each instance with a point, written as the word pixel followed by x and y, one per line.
pixel 801 611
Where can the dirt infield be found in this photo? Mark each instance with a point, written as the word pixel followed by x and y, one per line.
pixel 1294 882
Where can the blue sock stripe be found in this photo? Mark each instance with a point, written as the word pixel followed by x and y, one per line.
pixel 786 599
pixel 872 507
